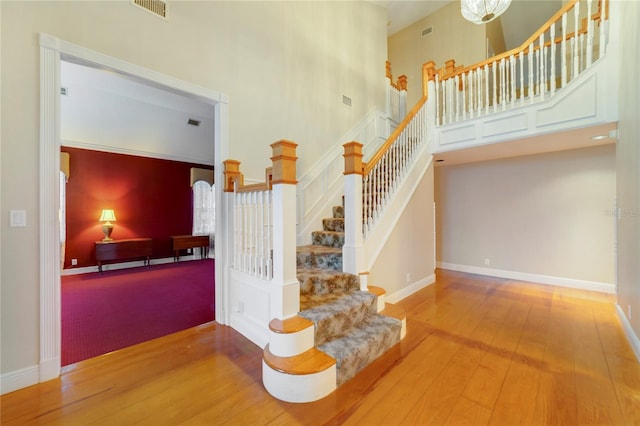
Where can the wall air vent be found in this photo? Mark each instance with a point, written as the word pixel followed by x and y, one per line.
pixel 193 122
pixel 346 101
pixel 427 31
pixel 157 7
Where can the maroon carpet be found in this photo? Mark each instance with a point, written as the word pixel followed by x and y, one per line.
pixel 105 312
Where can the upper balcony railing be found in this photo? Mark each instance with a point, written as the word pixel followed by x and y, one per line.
pixel 568 43
pixel 396 96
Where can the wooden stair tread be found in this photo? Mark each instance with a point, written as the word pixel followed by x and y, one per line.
pixel 378 291
pixel 393 311
pixel 289 325
pixel 309 362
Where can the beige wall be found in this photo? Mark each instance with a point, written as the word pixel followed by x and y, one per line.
pixel 547 214
pixel 284 65
pixel 452 38
pixel 628 166
pixel 408 255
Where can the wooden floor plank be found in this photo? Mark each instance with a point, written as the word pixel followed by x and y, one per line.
pixel 479 350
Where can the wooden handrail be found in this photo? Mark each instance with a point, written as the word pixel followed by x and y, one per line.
pixel 524 47
pixel 378 155
pixel 401 84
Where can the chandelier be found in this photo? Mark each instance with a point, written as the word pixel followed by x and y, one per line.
pixel 483 11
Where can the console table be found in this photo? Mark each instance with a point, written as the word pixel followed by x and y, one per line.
pixel 118 250
pixel 183 242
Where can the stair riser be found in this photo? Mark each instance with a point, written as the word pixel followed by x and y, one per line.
pixel 322 284
pixel 334 224
pixel 354 353
pixel 343 316
pixel 328 239
pixel 331 261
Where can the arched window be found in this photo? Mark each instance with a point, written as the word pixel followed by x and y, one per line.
pixel 204 214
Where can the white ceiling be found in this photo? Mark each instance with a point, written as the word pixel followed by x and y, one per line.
pixel 522 18
pixel 108 111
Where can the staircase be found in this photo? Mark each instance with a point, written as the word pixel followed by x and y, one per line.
pixel 339 330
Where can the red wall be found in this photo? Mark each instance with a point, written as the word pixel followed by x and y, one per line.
pixel 151 198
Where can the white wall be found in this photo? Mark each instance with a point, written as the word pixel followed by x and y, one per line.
pixel 628 169
pixel 452 38
pixel 407 261
pixel 546 215
pixel 284 65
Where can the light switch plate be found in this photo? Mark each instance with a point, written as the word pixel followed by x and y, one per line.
pixel 17 218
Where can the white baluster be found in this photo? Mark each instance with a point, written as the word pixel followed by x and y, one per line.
pixel 563 51
pixel 269 234
pixel 531 89
pixel 576 54
pixel 503 85
pixel 521 80
pixel 436 99
pixel 451 108
pixel 463 93
pixel 487 95
pixel 512 78
pixel 543 74
pixel 552 71
pixel 480 95
pixel 457 96
pixel 495 86
pixel 469 90
pixel 589 34
pixel 603 22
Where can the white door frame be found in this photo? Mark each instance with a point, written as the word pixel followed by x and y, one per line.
pixel 52 51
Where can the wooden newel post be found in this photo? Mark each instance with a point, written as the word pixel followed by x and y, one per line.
pixel 285 295
pixel 231 175
pixel 352 158
pixel 353 259
pixel 284 162
pixel 428 74
pixel 402 83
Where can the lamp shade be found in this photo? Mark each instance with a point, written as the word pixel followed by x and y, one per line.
pixel 108 215
pixel 483 11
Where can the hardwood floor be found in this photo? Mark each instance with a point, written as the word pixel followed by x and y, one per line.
pixel 478 351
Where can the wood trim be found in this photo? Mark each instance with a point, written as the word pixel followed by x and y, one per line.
pixel 289 325
pixel 309 362
pixel 352 158
pixel 378 291
pixel 284 162
pixel 232 175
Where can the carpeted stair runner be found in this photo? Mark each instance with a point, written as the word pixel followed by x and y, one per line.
pixel 347 325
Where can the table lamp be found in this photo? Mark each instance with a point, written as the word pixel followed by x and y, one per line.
pixel 107 216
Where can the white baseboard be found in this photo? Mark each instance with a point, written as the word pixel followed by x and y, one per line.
pixel 534 278
pixel 628 331
pixel 124 265
pixel 250 329
pixel 410 289
pixel 14 380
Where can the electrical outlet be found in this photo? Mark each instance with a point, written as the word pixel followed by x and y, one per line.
pixel 408 277
pixel 629 312
pixel 74 262
pixel 487 261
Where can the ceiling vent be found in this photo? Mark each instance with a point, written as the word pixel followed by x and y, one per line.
pixel 427 31
pixel 157 7
pixel 193 122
